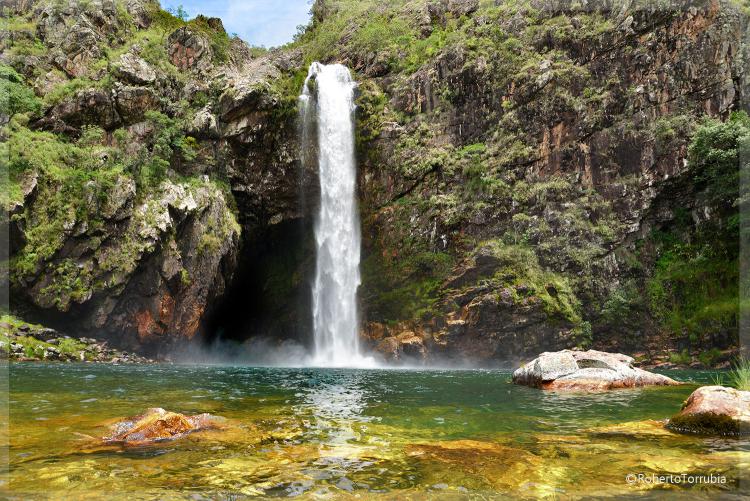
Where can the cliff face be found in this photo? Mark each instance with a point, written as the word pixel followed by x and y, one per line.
pixel 527 181
pixel 532 176
pixel 147 157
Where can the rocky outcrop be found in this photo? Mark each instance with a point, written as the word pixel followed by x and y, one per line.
pixel 397 344
pixel 505 185
pixel 259 131
pixel 586 371
pixel 464 135
pixel 133 258
pixel 189 50
pixel 76 31
pixel 133 102
pixel 29 342
pixel 145 272
pixel 135 70
pixel 87 107
pixel 714 410
pixel 157 424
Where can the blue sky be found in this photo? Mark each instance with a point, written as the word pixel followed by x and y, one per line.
pixel 258 22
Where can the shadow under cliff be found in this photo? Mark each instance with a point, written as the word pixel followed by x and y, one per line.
pixel 269 296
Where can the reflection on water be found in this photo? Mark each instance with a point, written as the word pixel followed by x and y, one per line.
pixel 332 408
pixel 326 433
pixel 335 402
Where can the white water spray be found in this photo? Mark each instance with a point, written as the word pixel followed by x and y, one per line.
pixel 330 103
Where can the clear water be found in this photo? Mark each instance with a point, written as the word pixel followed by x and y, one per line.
pixel 337 234
pixel 337 433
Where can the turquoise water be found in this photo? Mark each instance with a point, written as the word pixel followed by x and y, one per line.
pixel 317 433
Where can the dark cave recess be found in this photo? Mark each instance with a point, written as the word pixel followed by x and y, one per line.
pixel 270 293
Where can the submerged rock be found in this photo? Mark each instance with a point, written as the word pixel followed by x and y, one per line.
pixel 714 410
pixel 157 424
pixel 585 370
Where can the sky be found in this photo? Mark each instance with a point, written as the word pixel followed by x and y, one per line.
pixel 258 22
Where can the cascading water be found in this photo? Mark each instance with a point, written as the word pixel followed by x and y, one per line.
pixel 329 103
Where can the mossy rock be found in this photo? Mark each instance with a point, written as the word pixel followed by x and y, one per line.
pixel 707 423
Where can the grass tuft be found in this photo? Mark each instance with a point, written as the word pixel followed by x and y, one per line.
pixel 739 376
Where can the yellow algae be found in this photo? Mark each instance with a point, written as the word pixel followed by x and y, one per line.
pixel 649 427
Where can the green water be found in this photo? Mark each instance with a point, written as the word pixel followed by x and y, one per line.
pixel 370 434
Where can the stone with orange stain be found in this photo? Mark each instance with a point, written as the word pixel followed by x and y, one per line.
pixel 157 424
pixel 146 325
pixel 714 410
pixel 188 49
pixel 166 309
pixel 374 331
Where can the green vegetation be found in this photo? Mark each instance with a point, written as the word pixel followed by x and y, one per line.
pixel 168 144
pixel 709 357
pixel 78 174
pixel 70 175
pixel 705 424
pixel 681 358
pixel 399 288
pixel 33 347
pixel 695 286
pixel 14 322
pixel 738 377
pixel 624 304
pixel 455 184
pixel 15 96
pixel 520 269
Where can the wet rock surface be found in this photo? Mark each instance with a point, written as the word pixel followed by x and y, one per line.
pixel 714 410
pixel 586 371
pixel 157 424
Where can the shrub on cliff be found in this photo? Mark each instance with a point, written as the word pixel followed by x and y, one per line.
pixel 15 97
pixel 695 286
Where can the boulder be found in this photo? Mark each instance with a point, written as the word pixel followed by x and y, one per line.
pixel 406 346
pixel 249 90
pixel 44 334
pixel 78 49
pixel 136 70
pixel 157 424
pixel 374 331
pixel 204 124
pixel 587 371
pixel 714 410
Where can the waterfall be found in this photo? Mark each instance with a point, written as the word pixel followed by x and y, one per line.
pixel 327 102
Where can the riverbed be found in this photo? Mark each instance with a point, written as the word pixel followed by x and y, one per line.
pixel 341 433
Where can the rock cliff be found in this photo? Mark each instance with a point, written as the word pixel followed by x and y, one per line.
pixel 147 154
pixel 533 175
